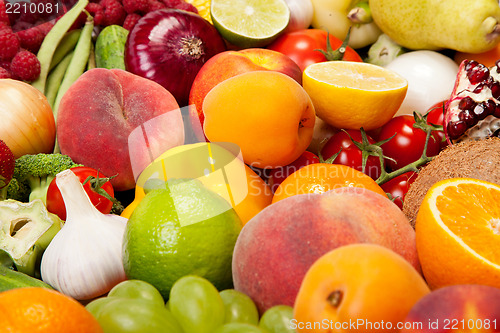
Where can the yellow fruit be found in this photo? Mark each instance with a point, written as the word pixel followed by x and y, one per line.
pixel 458 233
pixel 203 7
pixel 352 95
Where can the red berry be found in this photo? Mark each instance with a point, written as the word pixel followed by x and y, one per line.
pixel 113 13
pixel 4 17
pixel 4 74
pixel 9 43
pixel 25 66
pixel 155 5
pixel 136 6
pixel 130 21
pixel 7 164
pixel 187 7
pixel 31 39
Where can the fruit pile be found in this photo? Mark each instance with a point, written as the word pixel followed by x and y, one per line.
pixel 249 166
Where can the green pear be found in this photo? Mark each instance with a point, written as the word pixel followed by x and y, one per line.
pixel 461 25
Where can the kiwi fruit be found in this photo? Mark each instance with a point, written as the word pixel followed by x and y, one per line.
pixel 470 159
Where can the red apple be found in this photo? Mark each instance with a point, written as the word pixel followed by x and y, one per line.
pixel 231 63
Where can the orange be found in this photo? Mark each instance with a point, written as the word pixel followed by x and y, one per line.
pixel 322 177
pixel 266 113
pixel 367 284
pixel 487 58
pixel 458 233
pixel 40 310
pixel 351 95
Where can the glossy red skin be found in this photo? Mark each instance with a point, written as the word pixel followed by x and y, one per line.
pixel 436 117
pixel 278 175
pixel 407 145
pixel 398 187
pixel 350 154
pixel 301 46
pixel 153 49
pixel 55 202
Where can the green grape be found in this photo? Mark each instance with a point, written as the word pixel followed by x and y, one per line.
pixel 239 328
pixel 239 307
pixel 128 315
pixel 95 306
pixel 137 289
pixel 196 304
pixel 277 319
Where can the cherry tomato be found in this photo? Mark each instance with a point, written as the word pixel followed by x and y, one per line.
pixel 276 176
pixel 436 117
pixel 408 143
pixel 302 45
pixel 398 187
pixel 55 202
pixel 350 155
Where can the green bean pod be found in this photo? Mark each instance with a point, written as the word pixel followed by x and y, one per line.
pixel 78 62
pixel 55 78
pixel 52 39
pixel 92 61
pixel 66 46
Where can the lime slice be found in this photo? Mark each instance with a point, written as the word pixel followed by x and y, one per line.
pixel 250 23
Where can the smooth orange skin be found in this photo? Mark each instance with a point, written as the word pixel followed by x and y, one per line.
pixel 376 285
pixel 227 64
pixel 464 307
pixel 266 113
pixel 322 177
pixel 487 58
pixel 40 310
pixel 276 248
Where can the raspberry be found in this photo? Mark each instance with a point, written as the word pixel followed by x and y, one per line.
pixel 187 7
pixel 4 17
pixel 113 13
pixel 172 3
pixel 136 6
pixel 93 8
pixel 4 74
pixel 155 5
pixel 25 66
pixel 9 44
pixel 130 21
pixel 30 39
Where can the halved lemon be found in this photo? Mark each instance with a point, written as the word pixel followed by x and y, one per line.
pixel 352 95
pixel 203 7
pixel 458 233
pixel 250 23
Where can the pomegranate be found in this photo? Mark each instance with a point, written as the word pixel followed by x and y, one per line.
pixel 473 110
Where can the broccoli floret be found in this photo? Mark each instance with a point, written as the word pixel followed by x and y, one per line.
pixel 33 174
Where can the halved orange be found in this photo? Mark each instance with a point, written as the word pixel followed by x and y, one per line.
pixel 458 233
pixel 351 95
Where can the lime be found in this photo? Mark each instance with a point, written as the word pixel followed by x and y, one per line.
pixel 250 23
pixel 179 229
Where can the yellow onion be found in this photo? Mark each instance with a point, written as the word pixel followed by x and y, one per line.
pixel 27 124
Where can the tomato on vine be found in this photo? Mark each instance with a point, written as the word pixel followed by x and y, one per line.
pixel 93 185
pixel 398 187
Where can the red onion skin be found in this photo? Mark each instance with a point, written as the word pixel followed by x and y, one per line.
pixel 169 46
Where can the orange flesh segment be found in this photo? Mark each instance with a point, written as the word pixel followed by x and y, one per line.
pixel 475 218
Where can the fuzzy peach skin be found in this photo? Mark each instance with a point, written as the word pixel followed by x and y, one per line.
pixel 277 246
pixel 99 112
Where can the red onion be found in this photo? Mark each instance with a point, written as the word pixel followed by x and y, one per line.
pixel 169 46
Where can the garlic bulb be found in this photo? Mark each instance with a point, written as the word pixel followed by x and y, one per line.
pixel 84 259
pixel 301 14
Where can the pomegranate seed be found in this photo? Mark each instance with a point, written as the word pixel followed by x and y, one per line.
pixel 478 73
pixel 456 129
pixel 468 117
pixel 495 90
pixel 497 112
pixel 482 110
pixel 467 103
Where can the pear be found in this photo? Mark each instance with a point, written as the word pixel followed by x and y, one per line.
pixel 461 25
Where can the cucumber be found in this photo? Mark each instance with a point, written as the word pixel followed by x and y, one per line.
pixel 11 279
pixel 110 47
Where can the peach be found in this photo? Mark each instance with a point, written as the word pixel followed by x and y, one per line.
pixel 457 308
pixel 366 284
pixel 278 245
pixel 266 113
pixel 100 115
pixel 231 63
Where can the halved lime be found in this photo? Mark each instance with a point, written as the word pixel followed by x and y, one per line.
pixel 250 23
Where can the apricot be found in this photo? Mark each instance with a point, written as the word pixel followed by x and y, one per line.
pixel 457 308
pixel 278 245
pixel 266 113
pixel 357 288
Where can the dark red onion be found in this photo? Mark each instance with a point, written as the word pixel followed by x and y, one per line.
pixel 169 46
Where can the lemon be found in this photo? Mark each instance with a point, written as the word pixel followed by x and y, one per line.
pixel 179 229
pixel 352 95
pixel 250 23
pixel 203 7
